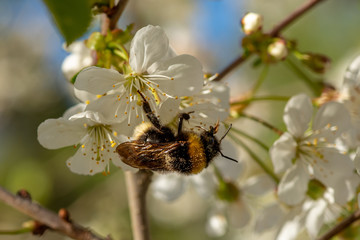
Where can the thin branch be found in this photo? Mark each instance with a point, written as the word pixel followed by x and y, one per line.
pixel 110 19
pixel 137 185
pixel 274 32
pixel 341 226
pixel 266 124
pixel 47 217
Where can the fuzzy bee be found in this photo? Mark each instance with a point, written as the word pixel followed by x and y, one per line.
pixel 157 148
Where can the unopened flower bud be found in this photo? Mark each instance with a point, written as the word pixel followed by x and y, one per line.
pixel 251 22
pixel 278 49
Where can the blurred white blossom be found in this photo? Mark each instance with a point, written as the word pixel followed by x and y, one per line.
pixel 79 58
pixel 304 155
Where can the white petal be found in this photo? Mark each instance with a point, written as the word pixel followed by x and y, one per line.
pixel 150 44
pixel 169 109
pixel 357 160
pixel 269 217
pixel 84 96
pixel 283 152
pixel 259 185
pixel 186 71
pixel 168 187
pixel 78 108
pixel 81 163
pixel 58 133
pixel 336 115
pixel 290 229
pixel 294 184
pixel 297 115
pixel 98 80
pixel 239 214
pixel 109 107
pixel 204 183
pixel 315 218
pixel 229 169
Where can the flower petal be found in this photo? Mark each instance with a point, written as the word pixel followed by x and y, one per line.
pixel 332 114
pixel 294 184
pixel 168 187
pixel 150 44
pixel 298 113
pixel 315 218
pixel 204 183
pixel 81 163
pixel 98 80
pixel 78 108
pixel 283 152
pixel 186 71
pixel 239 214
pixel 259 185
pixel 58 133
pixel 269 217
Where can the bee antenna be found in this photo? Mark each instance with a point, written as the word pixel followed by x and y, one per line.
pixel 226 133
pixel 228 157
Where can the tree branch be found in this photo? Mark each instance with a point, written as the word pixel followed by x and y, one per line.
pixel 274 32
pixel 341 226
pixel 110 19
pixel 48 218
pixel 137 185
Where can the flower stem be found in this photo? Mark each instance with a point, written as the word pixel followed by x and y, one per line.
pixel 316 89
pixel 15 232
pixel 137 185
pixel 261 98
pixel 261 144
pixel 260 80
pixel 256 158
pixel 266 124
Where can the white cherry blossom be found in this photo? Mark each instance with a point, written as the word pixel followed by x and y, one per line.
pixel 79 58
pixel 96 141
pixel 156 71
pixel 308 150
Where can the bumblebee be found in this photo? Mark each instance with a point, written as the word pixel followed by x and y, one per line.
pixel 157 148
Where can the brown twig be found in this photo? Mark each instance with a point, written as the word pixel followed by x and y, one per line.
pixel 341 226
pixel 110 19
pixel 137 185
pixel 47 217
pixel 274 32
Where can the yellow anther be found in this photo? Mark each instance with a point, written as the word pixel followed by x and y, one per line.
pixel 97 163
pixel 125 112
pixel 113 145
pixel 176 97
pixel 115 133
pixel 172 78
pixel 137 116
pixel 83 146
pixel 91 171
pixel 104 173
pixel 85 125
pixel 69 163
pixel 133 108
pixel 87 102
pixel 98 96
pixel 129 124
pixel 127 102
pixel 116 115
pixel 113 85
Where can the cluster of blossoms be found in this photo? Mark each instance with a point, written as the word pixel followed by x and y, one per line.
pixel 111 106
pixel 312 160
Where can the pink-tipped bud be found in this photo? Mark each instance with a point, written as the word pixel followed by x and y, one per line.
pixel 251 22
pixel 278 49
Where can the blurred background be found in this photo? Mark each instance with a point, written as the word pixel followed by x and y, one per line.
pixel 33 88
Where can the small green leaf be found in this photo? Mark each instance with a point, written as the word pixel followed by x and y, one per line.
pixel 96 41
pixel 72 17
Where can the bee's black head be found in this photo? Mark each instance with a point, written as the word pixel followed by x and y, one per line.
pixel 212 145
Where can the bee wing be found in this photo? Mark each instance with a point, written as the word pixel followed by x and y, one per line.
pixel 145 155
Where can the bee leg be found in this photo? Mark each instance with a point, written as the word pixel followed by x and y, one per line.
pixel 182 117
pixel 149 113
